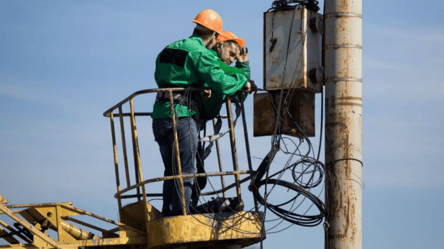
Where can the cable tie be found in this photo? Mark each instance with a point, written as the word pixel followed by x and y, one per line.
pixel 326 225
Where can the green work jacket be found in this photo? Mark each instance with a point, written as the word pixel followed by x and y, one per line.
pixel 213 105
pixel 189 63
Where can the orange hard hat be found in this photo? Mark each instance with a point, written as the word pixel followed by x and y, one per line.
pixel 209 19
pixel 228 36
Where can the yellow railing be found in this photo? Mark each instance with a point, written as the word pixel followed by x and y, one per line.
pixel 140 182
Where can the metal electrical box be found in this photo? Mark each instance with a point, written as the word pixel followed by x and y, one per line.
pixel 293 49
pixel 299 109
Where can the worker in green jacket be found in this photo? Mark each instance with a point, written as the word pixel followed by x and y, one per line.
pixel 227 49
pixel 186 63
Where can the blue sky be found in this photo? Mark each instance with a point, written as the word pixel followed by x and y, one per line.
pixel 63 63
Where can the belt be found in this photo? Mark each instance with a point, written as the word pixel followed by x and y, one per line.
pixel 178 98
pixel 181 99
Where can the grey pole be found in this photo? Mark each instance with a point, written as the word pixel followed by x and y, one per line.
pixel 343 127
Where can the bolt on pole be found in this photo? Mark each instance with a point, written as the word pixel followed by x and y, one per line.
pixel 343 128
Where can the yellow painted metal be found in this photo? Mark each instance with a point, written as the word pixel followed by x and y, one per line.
pixel 38 234
pixel 133 214
pixel 9 239
pixel 51 204
pixel 105 233
pixel 142 225
pixel 196 231
pixel 41 215
pixel 125 157
pixel 219 160
pixel 12 230
pixel 116 162
pixel 77 232
pixel 176 148
pixel 135 140
pixel 159 179
pixel 70 210
pixel 86 243
pixel 113 241
pixel 138 163
pixel 54 216
pixel 85 224
pixel 2 201
pixel 41 243
pixel 18 246
pixel 199 230
pixel 22 246
pixel 234 153
pixel 63 235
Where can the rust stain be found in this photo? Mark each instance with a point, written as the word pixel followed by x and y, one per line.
pixel 332 102
pixel 341 110
pixel 274 60
pixel 336 124
pixel 300 83
pixel 350 98
pixel 273 79
pixel 264 116
pixel 349 104
pixel 301 107
pixel 344 5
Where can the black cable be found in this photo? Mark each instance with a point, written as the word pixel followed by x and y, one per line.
pixel 227 226
pixel 292 217
pixel 322 121
pixel 345 159
pixel 289 5
pixel 317 168
pixel 289 215
pixel 297 176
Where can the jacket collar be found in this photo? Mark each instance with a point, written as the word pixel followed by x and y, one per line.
pixel 198 39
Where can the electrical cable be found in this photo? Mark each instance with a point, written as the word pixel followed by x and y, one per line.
pixel 228 226
pixel 302 220
pixel 291 4
pixel 312 162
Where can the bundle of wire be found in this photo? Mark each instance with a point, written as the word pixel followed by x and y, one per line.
pixel 304 167
pixel 291 4
pixel 310 165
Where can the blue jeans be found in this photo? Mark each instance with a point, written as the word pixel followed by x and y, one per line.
pixel 187 133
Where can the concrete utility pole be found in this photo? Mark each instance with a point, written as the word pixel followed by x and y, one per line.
pixel 343 140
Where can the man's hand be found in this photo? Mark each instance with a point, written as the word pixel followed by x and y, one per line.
pixel 250 87
pixel 243 55
pixel 206 93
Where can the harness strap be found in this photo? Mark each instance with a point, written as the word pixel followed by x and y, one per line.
pixel 217 133
pixel 178 98
pixel 182 99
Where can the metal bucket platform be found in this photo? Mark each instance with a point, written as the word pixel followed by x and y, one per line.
pixel 194 231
